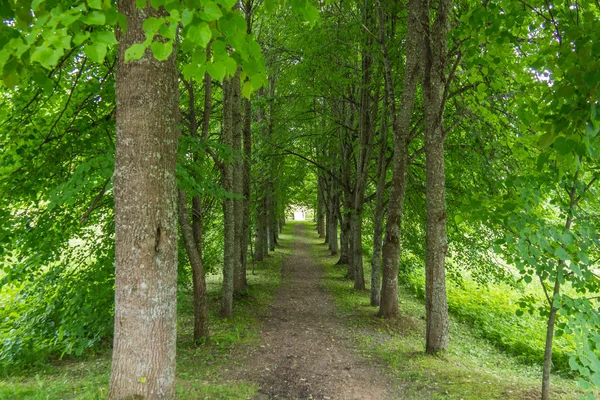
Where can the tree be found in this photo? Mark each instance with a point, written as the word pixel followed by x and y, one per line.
pixel 435 83
pixel 401 128
pixel 143 362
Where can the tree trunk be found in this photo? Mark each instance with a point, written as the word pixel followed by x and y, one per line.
pixel 365 146
pixel 229 254
pixel 379 209
pixel 143 360
pixel 401 127
pixel 345 228
pixel 550 338
pixel 194 253
pixel 320 208
pixel 270 217
pixel 246 183
pixel 436 241
pixel 239 277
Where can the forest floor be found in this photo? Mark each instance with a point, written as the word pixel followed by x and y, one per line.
pixel 303 332
pixel 305 351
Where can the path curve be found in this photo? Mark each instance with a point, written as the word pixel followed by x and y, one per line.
pixel 305 351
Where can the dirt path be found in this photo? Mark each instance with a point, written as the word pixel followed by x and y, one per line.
pixel 305 353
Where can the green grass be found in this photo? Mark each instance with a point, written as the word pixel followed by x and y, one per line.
pixel 200 369
pixel 472 368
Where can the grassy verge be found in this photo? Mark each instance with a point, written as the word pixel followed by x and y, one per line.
pixel 200 369
pixel 472 368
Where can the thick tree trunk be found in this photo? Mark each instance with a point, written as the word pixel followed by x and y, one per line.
pixel 143 360
pixel 436 241
pixel 401 126
pixel 229 254
pixel 194 253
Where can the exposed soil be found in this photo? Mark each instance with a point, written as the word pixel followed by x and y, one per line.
pixel 305 351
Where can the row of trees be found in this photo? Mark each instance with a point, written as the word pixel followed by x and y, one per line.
pixel 406 114
pixel 486 113
pixel 180 69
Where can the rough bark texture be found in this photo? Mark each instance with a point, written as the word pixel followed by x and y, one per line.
pixel 143 362
pixel 401 126
pixel 246 183
pixel 229 254
pixel 239 277
pixel 379 210
pixel 365 146
pixel 194 253
pixel 346 213
pixel 436 242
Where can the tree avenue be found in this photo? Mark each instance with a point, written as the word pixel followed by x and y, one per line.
pixel 152 152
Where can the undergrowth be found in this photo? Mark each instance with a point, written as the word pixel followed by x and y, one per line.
pixel 200 368
pixel 472 368
pixel 491 312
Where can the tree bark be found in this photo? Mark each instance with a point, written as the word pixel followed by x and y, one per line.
pixel 246 183
pixel 194 254
pixel 436 241
pixel 320 208
pixel 239 277
pixel 143 360
pixel 229 254
pixel 379 209
pixel 401 127
pixel 365 146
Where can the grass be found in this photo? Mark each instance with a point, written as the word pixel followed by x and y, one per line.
pixel 472 367
pixel 201 370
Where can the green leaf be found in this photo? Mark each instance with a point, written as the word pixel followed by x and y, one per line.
pixel 95 4
pixel 141 3
pixel 80 37
pixel 212 11
pixel 567 238
pixel 162 51
pixel 546 140
pixel 199 34
pixel 561 253
pixel 95 51
pixel 152 25
pixel 247 89
pixel 230 65
pixel 186 17
pixel 105 37
pixel 135 52
pixel 45 56
pixel 216 70
pixel 94 18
